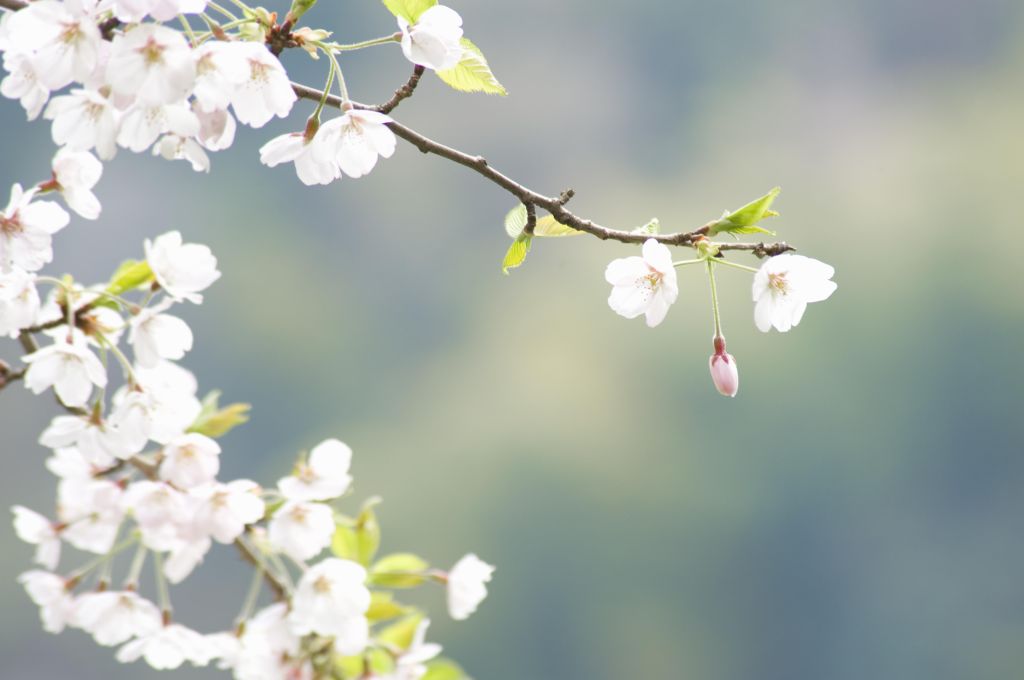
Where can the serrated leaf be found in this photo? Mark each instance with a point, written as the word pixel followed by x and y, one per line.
pixel 410 10
pixel 384 607
pixel 549 227
pixel 516 254
pixel 444 669
pixel 402 633
pixel 472 73
pixel 515 221
pixel 747 216
pixel 131 274
pixel 399 570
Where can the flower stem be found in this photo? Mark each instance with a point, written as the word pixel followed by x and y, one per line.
pixel 327 89
pixel 737 265
pixel 682 263
pixel 394 37
pixel 188 30
pixel 714 299
pixel 163 597
pixel 132 580
pixel 253 594
pixel 222 10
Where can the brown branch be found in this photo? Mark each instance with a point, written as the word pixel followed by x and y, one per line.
pixel 404 92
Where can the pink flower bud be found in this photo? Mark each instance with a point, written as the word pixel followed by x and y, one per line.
pixel 724 373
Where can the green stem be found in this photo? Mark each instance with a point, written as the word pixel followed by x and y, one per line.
pixel 132 580
pixel 253 594
pixel 89 566
pixel 163 597
pixel 737 265
pixel 327 89
pixel 682 263
pixel 188 30
pixel 338 47
pixel 342 88
pixel 714 299
pixel 222 10
pixel 126 365
pixel 241 5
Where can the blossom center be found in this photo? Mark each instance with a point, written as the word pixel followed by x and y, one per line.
pixel 10 226
pixel 71 34
pixel 152 52
pixel 322 585
pixel 777 282
pixel 259 71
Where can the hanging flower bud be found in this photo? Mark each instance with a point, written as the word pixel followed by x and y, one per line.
pixel 724 373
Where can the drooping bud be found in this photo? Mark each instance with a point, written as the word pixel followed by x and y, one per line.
pixel 724 373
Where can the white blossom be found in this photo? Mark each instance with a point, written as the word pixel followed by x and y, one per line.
pixel 70 368
pixel 185 555
pixel 224 510
pixel 323 477
pixel 83 120
pixel 164 408
pixel 190 460
pixel 92 511
pixel 50 592
pixel 39 531
pixel 220 68
pixel 114 617
pixel 467 586
pixel 312 166
pixel 354 140
pixel 177 147
pixel 142 124
pixel 216 128
pixel 63 37
pixel 26 230
pixel 643 285
pixel 76 173
pixel 151 63
pixel 155 335
pixel 134 11
pixel 301 530
pixel 160 511
pixel 19 301
pixel 23 83
pixel 168 648
pixel 181 269
pixel 98 441
pixel 67 462
pixel 265 91
pixel 411 664
pixel 784 285
pixel 331 599
pixel 434 40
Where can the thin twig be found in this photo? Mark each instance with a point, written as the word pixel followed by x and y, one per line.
pixel 404 92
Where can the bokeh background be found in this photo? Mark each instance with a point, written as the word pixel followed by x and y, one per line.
pixel 856 512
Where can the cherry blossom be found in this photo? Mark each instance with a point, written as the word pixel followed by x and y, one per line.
pixel 155 335
pixel 177 147
pixel 50 592
pixel 26 228
pixel 168 648
pixel 323 477
pixel 410 665
pixel 265 92
pixel 220 68
pixel 190 460
pixel 69 367
pixel 224 510
pixel 75 174
pixel 152 64
pixel 467 586
pixel 182 269
pixel 162 10
pixel 163 406
pixel 114 617
pixel 19 301
pixel 97 440
pixel 331 599
pixel 159 509
pixel 143 124
pixel 354 140
pixel 92 511
pixel 724 373
pixel 643 285
pixel 312 165
pixel 23 83
pixel 216 128
pixel 301 530
pixel 783 287
pixel 434 40
pixel 83 120
pixel 37 530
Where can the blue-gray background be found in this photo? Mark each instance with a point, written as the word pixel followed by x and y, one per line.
pixel 856 512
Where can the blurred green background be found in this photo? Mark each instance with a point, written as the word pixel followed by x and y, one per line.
pixel 856 512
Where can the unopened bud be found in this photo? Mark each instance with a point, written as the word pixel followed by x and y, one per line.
pixel 724 373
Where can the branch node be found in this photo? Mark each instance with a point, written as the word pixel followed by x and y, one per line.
pixel 565 196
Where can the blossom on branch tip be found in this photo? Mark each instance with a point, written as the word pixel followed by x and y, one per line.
pixel 69 367
pixel 643 285
pixel 50 592
pixel 783 287
pixel 331 600
pixel 76 173
pixel 724 373
pixel 39 531
pixel 434 40
pixel 265 92
pixel 323 477
pixel 312 168
pixel 467 586
pixel 181 269
pixel 354 140
pixel 26 230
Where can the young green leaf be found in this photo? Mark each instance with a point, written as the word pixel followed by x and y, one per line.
pixel 130 275
pixel 400 570
pixel 548 227
pixel 444 669
pixel 743 221
pixel 472 73
pixel 410 10
pixel 516 254
pixel 214 421
pixel 401 633
pixel 515 221
pixel 651 228
pixel 384 607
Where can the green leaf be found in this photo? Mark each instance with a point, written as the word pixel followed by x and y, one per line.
pixel 401 633
pixel 384 607
pixel 410 10
pixel 399 570
pixel 214 421
pixel 444 669
pixel 651 228
pixel 130 275
pixel 471 74
pixel 516 254
pixel 515 220
pixel 344 543
pixel 367 531
pixel 350 666
pixel 743 221
pixel 548 227
pixel 300 7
